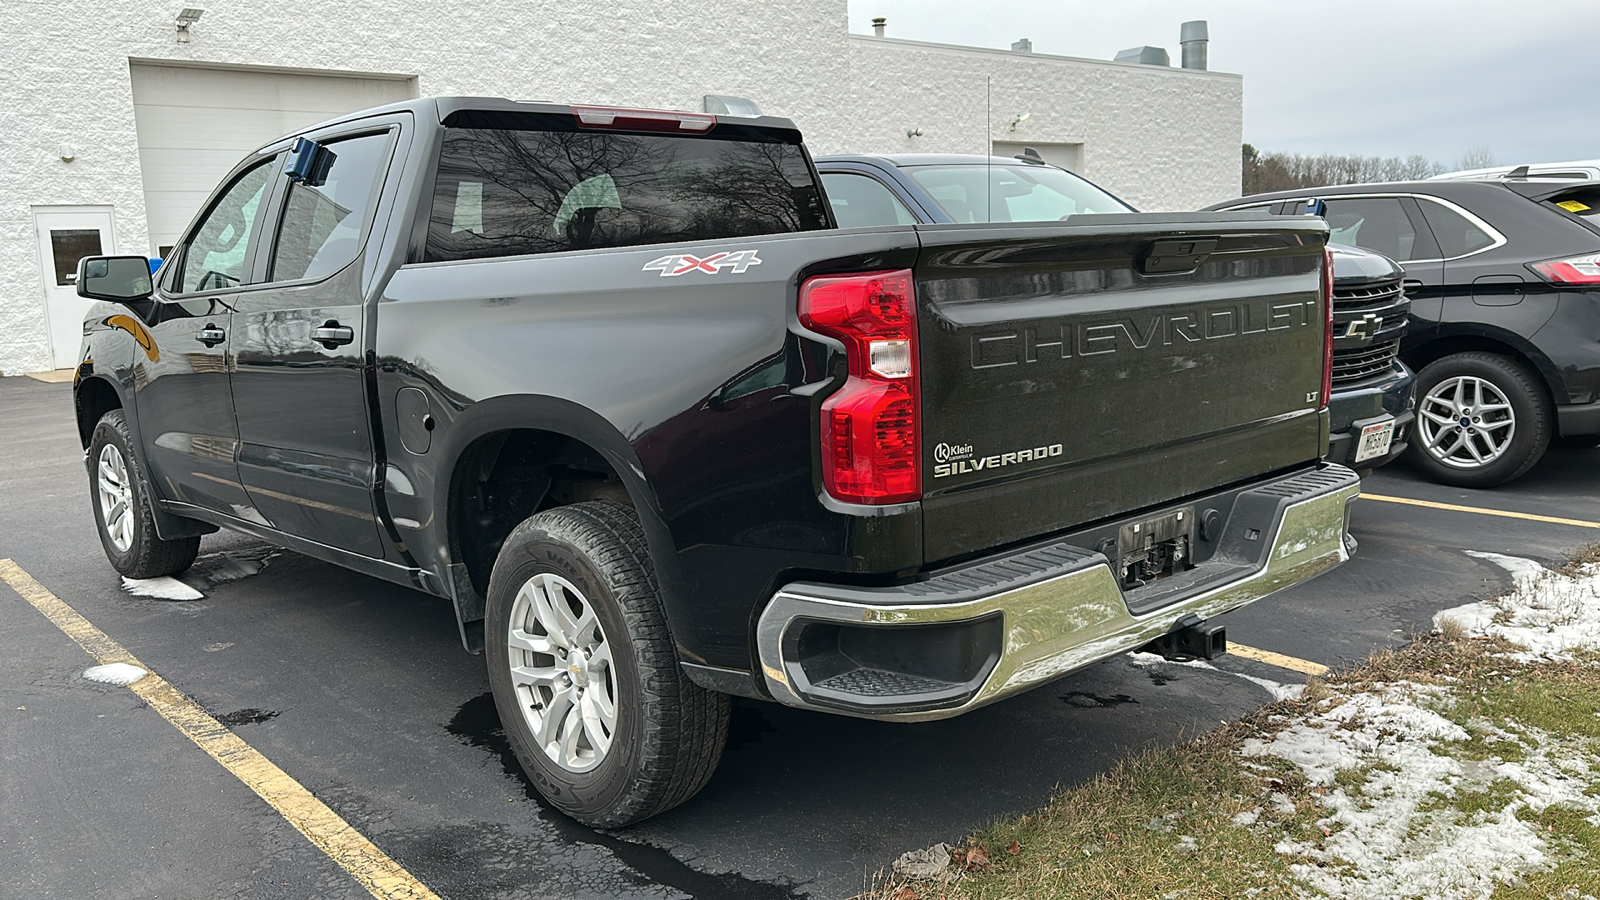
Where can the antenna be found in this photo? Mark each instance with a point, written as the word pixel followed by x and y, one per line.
pixel 988 155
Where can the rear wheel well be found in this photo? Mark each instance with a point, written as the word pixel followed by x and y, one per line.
pixel 1420 357
pixel 504 477
pixel 93 399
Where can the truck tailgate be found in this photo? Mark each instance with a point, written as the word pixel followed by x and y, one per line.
pixel 1072 373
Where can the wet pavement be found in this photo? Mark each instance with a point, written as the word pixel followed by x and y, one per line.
pixel 360 691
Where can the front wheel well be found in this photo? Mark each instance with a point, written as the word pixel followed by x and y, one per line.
pixel 93 398
pixel 504 477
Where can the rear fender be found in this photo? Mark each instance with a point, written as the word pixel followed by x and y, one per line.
pixel 580 424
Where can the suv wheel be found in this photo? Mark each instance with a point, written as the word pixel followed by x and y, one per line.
pixel 1482 420
pixel 123 511
pixel 584 672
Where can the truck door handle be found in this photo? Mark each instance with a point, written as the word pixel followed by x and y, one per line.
pixel 211 335
pixel 332 335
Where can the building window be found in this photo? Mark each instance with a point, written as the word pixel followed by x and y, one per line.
pixel 69 245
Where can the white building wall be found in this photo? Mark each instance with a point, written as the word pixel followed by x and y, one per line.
pixel 1161 138
pixel 65 82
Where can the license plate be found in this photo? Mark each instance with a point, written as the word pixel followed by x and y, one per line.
pixel 1375 441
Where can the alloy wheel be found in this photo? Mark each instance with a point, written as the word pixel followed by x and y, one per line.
pixel 116 497
pixel 562 671
pixel 1466 422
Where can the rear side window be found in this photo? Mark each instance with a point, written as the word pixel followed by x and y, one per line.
pixel 321 226
pixel 861 201
pixel 502 192
pixel 1378 224
pixel 1457 235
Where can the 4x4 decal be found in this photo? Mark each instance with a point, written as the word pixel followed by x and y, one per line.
pixel 681 263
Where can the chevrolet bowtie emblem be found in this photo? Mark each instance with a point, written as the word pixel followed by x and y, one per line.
pixel 1364 327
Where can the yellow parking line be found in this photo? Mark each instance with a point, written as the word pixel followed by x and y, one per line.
pixel 1277 659
pixel 379 874
pixel 1554 520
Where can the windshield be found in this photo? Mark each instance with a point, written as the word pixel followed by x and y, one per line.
pixel 1012 193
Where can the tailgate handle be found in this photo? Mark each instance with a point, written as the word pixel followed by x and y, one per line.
pixel 1173 257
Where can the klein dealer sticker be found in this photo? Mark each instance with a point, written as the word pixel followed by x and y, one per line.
pixel 959 459
pixel 1573 206
pixel 683 263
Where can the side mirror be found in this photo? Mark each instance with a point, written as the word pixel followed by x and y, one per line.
pixel 120 279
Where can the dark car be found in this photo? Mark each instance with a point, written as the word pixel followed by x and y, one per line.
pixel 1504 280
pixel 1374 393
pixel 952 188
pixel 1371 404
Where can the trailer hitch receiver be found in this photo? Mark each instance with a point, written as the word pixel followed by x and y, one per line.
pixel 1190 638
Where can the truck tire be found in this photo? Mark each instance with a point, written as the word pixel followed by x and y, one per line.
pixel 584 671
pixel 124 513
pixel 1482 420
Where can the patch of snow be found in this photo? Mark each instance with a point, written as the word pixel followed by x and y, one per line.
pixel 163 588
pixel 1548 612
pixel 115 673
pixel 1248 817
pixel 1278 690
pixel 1388 836
pixel 1187 843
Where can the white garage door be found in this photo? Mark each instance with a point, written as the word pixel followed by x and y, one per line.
pixel 195 124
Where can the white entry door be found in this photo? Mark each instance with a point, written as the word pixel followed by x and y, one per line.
pixel 66 235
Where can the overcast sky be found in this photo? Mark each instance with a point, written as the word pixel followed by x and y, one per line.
pixel 1371 77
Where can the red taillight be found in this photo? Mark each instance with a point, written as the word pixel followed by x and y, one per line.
pixel 1573 270
pixel 1327 331
pixel 871 441
pixel 642 119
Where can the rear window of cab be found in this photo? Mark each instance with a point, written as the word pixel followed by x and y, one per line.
pixel 507 191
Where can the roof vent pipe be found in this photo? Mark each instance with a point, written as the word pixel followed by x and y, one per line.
pixel 1194 36
pixel 878 24
pixel 1022 46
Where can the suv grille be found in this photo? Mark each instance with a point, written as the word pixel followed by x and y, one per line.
pixel 1353 299
pixel 1350 366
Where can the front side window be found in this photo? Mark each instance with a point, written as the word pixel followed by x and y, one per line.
pixel 1457 235
pixel 861 201
pixel 1379 224
pixel 214 258
pixel 506 192
pixel 320 231
pixel 980 193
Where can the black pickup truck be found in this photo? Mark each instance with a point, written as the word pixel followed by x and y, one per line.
pixel 614 384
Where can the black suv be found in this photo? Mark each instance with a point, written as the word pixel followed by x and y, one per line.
pixel 1504 281
pixel 1371 404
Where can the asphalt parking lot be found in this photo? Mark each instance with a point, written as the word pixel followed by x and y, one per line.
pixel 360 692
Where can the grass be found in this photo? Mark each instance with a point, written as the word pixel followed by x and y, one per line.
pixel 1163 823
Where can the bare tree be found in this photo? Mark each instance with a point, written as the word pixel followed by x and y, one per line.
pixel 1266 171
pixel 1476 157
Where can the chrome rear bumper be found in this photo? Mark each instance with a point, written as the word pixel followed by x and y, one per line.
pixel 968 636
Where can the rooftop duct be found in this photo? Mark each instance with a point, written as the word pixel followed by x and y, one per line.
pixel 1194 36
pixel 1145 56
